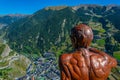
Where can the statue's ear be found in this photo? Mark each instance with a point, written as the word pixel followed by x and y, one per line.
pixel 73 39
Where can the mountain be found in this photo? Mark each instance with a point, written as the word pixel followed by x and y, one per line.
pixel 48 29
pixel 10 18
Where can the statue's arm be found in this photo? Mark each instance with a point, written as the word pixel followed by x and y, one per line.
pixel 64 72
pixel 63 75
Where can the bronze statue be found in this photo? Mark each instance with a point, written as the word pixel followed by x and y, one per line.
pixel 85 63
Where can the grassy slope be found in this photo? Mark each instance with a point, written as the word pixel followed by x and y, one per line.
pixel 17 67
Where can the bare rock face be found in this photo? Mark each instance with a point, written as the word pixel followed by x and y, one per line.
pixel 6 51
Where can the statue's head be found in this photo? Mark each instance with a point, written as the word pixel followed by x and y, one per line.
pixel 81 36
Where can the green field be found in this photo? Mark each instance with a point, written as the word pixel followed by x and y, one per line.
pixel 116 54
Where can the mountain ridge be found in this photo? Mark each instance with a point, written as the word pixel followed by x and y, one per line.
pixel 48 29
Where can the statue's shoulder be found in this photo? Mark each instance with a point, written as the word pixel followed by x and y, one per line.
pixel 102 55
pixel 101 62
pixel 65 57
pixel 99 56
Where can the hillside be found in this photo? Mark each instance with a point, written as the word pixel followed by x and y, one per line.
pixel 12 64
pixel 48 29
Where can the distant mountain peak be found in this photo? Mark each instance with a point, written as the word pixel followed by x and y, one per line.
pixel 10 18
pixel 15 15
pixel 55 7
pixel 85 6
pixel 113 5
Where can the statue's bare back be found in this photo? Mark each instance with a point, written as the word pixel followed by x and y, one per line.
pixel 86 65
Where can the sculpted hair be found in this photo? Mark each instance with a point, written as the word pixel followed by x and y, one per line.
pixel 81 36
